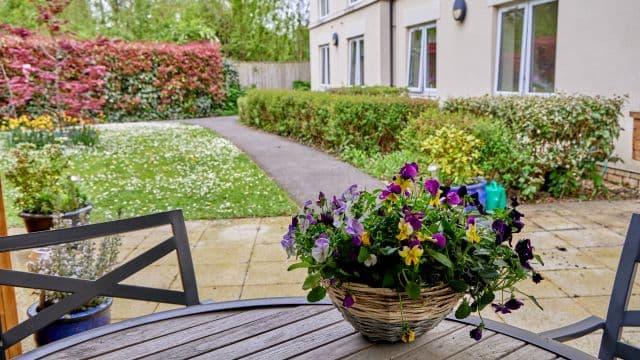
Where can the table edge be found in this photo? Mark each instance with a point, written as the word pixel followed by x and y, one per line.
pixel 526 336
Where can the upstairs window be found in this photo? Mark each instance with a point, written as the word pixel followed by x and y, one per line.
pixel 325 70
pixel 526 58
pixel 324 8
pixel 421 68
pixel 356 61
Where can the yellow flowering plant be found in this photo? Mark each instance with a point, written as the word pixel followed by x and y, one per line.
pixel 413 233
pixel 41 130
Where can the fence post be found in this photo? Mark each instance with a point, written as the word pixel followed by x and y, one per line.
pixel 8 307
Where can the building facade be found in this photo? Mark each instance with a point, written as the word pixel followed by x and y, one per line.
pixel 527 47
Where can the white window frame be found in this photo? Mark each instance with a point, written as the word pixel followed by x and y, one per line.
pixel 326 8
pixel 525 51
pixel 424 66
pixel 359 55
pixel 352 2
pixel 325 64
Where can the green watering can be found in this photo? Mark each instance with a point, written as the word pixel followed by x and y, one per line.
pixel 496 196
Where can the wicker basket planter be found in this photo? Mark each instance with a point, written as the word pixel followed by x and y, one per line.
pixel 376 312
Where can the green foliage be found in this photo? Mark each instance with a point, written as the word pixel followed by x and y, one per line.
pixel 332 122
pixel 563 137
pixel 301 85
pixel 251 30
pixel 371 91
pixel 232 89
pixel 41 181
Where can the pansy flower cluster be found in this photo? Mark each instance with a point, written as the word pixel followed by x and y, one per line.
pixel 413 233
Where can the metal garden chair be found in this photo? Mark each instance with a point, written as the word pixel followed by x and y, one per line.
pixel 108 285
pixel 618 316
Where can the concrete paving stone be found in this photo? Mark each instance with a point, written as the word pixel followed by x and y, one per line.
pixel 590 207
pixel 557 312
pixel 555 222
pixel 582 282
pixel 126 309
pixel 275 272
pixel 271 231
pixel 589 343
pixel 583 221
pixel 627 205
pixel 614 221
pixel 219 293
pixel 275 290
pixel 631 336
pixel 224 274
pixel 224 252
pixel 609 256
pixel 268 252
pixel 542 239
pixel 598 305
pixel 234 232
pixel 154 276
pixel 565 258
pixel 542 290
pixel 591 237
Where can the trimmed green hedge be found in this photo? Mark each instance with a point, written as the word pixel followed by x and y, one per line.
pixel 332 122
pixel 561 138
pixel 371 91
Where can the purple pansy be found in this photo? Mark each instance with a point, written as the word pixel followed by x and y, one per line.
pixel 327 219
pixel 409 171
pixel 348 301
pixel 355 229
pixel 391 189
pixel 414 219
pixel 513 304
pixel 499 308
pixel 453 198
pixel 476 333
pixel 503 232
pixel 471 220
pixel 440 240
pixel 525 252
pixel 338 206
pixel 320 251
pixel 322 199
pixel 462 191
pixel 432 186
pixel 307 204
pixel 537 278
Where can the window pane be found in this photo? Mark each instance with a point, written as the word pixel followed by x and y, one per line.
pixel 510 50
pixel 431 58
pixel 324 7
pixel 361 62
pixel 353 57
pixel 415 48
pixel 543 47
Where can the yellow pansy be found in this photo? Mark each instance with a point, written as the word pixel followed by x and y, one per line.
pixel 405 230
pixel 411 255
pixel 366 239
pixel 435 201
pixel 472 233
pixel 408 336
pixel 403 183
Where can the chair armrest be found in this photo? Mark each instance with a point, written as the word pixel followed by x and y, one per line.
pixel 575 330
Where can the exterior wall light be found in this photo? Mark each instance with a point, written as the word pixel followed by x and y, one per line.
pixel 334 39
pixel 459 10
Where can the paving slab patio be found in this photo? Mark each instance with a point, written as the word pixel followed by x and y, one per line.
pixel 241 259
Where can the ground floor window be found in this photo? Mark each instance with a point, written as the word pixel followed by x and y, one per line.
pixel 526 59
pixel 421 68
pixel 324 65
pixel 356 61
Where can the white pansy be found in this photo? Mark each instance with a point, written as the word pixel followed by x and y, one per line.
pixel 371 260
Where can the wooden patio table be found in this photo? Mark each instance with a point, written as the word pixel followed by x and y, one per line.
pixel 280 328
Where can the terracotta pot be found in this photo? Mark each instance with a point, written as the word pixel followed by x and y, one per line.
pixel 40 222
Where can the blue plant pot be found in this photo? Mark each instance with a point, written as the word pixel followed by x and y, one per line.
pixel 478 188
pixel 73 323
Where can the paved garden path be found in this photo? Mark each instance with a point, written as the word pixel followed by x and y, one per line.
pixel 302 171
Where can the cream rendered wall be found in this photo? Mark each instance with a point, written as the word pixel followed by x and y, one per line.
pixel 598 53
pixel 368 18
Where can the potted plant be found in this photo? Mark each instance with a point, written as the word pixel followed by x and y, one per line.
pixel 396 261
pixel 43 188
pixel 88 260
pixel 456 153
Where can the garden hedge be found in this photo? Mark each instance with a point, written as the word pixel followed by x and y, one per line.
pixel 370 90
pixel 124 81
pixel 560 138
pixel 332 122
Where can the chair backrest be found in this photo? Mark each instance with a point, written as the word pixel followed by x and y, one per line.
pixel 82 291
pixel 618 316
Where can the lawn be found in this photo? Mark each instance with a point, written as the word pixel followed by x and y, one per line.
pixel 141 168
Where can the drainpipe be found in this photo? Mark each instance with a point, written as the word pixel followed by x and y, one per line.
pixel 391 50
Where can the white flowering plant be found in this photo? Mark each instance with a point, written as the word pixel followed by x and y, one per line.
pixel 412 234
pixel 87 260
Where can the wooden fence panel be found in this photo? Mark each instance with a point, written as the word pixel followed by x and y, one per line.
pixel 272 75
pixel 8 307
